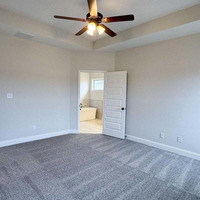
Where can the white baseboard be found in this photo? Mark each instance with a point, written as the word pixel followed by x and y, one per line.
pixel 73 131
pixel 179 151
pixel 36 137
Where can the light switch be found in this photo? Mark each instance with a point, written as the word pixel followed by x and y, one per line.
pixel 9 95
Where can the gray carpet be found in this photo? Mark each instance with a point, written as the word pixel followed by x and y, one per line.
pixel 95 167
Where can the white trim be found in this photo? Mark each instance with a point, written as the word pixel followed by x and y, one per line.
pixel 79 101
pixel 73 131
pixel 176 150
pixel 36 137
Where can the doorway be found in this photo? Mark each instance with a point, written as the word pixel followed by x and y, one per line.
pixel 91 96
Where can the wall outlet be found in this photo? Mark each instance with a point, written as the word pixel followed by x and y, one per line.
pixel 34 127
pixel 179 139
pixel 162 135
pixel 9 95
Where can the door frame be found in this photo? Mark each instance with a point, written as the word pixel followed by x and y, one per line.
pixel 78 113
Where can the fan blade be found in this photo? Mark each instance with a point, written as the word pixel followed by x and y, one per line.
pixel 82 31
pixel 69 18
pixel 118 18
pixel 93 7
pixel 108 31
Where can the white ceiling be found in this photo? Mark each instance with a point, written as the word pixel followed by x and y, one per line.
pixel 144 11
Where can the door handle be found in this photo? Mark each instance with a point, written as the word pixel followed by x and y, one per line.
pixel 122 108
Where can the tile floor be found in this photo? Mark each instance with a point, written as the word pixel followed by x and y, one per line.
pixel 92 126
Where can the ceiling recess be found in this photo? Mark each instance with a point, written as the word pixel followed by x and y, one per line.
pixel 24 35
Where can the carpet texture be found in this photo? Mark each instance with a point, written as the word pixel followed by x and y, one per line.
pixel 88 167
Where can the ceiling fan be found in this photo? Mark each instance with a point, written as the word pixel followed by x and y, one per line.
pixel 95 20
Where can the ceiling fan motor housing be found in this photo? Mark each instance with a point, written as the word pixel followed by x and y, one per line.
pixel 97 20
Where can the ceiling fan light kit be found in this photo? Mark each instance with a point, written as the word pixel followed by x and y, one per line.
pixel 100 29
pixel 92 26
pixel 95 20
pixel 89 32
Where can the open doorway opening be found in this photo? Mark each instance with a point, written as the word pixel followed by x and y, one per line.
pixel 91 102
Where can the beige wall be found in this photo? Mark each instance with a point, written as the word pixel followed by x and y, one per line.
pixel 164 91
pixel 39 78
pixel 96 95
pixel 85 89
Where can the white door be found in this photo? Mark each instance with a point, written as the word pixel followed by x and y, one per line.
pixel 114 111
